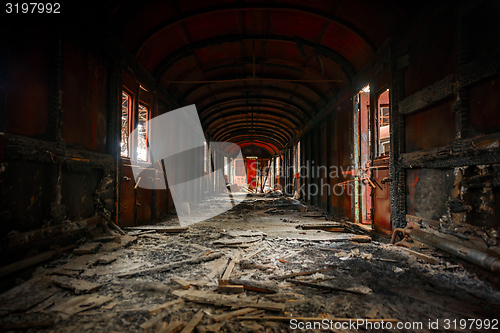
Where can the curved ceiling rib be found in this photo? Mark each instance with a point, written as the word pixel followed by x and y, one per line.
pixel 281 131
pixel 298 110
pixel 247 148
pixel 188 50
pixel 241 136
pixel 231 63
pixel 311 93
pixel 281 8
pixel 311 86
pixel 277 122
pixel 292 111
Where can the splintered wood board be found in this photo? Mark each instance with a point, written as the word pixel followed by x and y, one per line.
pixel 28 294
pixel 79 286
pixel 81 303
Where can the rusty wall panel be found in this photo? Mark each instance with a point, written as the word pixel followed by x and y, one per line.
pixel 381 197
pixel 127 198
pixel 144 202
pixel 427 192
pixel 85 101
pixel 485 106
pixel 78 189
pixel 432 128
pixel 346 153
pixel 28 84
pixel 27 195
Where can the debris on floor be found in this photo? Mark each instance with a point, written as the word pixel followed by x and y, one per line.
pixel 250 271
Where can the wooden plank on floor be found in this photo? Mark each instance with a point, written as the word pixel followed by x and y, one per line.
pixel 424 257
pixel 231 314
pixel 193 322
pixel 224 279
pixel 78 286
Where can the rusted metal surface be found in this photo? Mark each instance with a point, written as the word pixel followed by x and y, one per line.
pixel 428 192
pixel 432 128
pixel 472 255
pixel 127 197
pixel 381 196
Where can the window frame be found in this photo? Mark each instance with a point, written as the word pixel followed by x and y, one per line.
pixel 130 121
pixel 136 123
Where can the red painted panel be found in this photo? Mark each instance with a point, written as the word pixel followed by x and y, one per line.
pixel 291 24
pixel 157 12
pixel 252 173
pixel 212 24
pixel 159 46
pixel 253 22
pixel 347 44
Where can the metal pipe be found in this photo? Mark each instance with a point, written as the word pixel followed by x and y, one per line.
pixel 472 255
pixel 393 238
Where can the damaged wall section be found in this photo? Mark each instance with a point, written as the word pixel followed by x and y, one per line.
pixel 443 76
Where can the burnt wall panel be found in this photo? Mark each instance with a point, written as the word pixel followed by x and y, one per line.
pixel 485 107
pixel 481 193
pixel 85 101
pixel 27 195
pixel 428 191
pixel 78 192
pixel 27 99
pixel 431 128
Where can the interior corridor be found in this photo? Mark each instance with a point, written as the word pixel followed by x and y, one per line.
pixel 247 165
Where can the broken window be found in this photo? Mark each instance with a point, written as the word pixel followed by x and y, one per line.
pixel 383 124
pixel 142 130
pixel 278 166
pixel 125 130
pixel 240 168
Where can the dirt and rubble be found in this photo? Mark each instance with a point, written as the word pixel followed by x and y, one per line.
pixel 251 269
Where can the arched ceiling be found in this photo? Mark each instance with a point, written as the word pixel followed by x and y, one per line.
pixel 257 70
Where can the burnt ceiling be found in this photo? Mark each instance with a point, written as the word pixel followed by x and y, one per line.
pixel 257 71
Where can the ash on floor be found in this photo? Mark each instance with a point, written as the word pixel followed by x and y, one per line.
pixel 251 269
